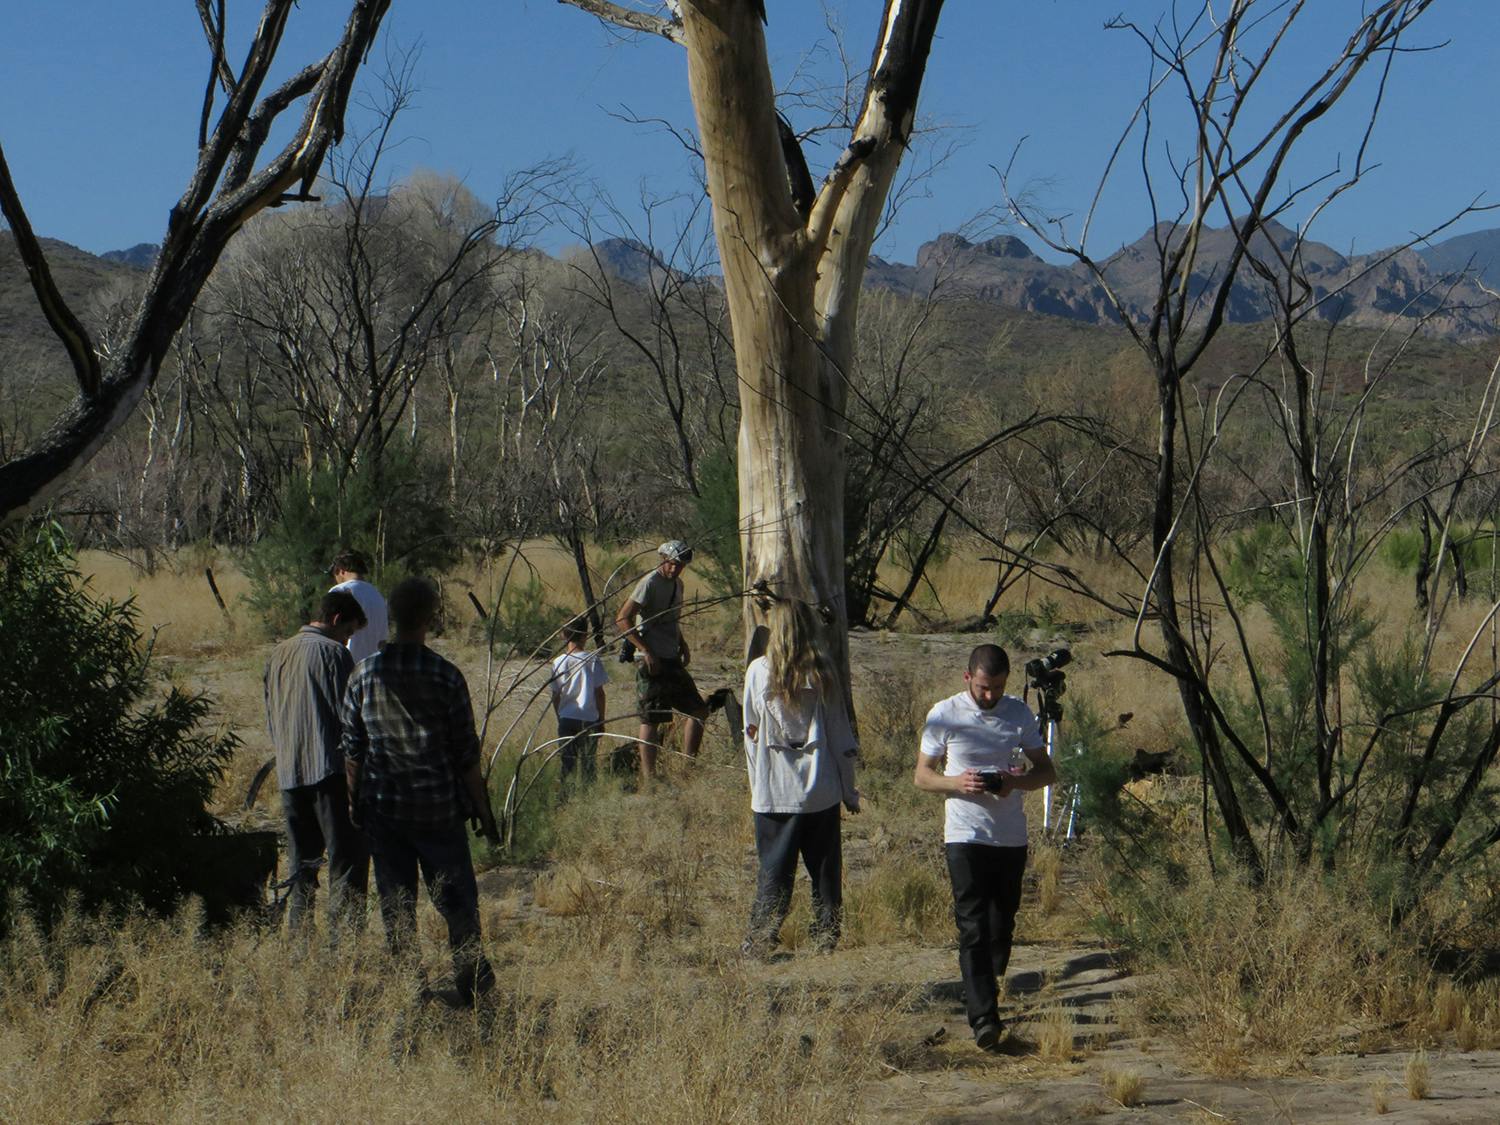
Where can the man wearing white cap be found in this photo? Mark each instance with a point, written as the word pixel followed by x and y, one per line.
pixel 649 622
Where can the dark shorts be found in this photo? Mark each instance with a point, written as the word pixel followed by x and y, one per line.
pixel 670 690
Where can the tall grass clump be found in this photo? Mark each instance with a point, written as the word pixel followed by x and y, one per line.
pixel 1245 976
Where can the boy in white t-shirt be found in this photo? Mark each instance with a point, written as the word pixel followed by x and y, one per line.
pixel 982 749
pixel 577 684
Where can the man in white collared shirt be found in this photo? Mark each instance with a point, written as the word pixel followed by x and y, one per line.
pixel 982 749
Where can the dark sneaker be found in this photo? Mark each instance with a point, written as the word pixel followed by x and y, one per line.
pixel 987 1035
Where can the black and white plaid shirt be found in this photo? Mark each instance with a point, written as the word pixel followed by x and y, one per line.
pixel 409 723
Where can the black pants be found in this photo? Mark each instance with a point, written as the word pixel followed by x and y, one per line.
pixel 986 895
pixel 442 855
pixel 779 839
pixel 317 818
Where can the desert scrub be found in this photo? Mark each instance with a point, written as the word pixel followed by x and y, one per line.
pixel 152 1020
pixel 1246 976
pixel 900 900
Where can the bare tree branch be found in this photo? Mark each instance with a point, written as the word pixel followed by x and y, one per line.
pixel 633 19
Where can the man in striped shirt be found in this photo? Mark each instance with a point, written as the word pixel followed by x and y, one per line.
pixel 304 687
pixel 413 762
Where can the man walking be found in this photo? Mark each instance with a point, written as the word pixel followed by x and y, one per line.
pixel 413 763
pixel 982 749
pixel 304 689
pixel 349 570
pixel 650 621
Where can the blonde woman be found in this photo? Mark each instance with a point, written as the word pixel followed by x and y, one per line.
pixel 800 753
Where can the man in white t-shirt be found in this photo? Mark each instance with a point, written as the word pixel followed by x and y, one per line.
pixel 577 686
pixel 982 749
pixel 349 571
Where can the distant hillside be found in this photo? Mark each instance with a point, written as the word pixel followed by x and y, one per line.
pixel 26 342
pixel 141 256
pixel 1478 252
pixel 1377 286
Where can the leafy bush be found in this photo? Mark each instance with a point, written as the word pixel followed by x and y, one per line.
pixel 1403 547
pixel 103 787
pixel 525 622
pixel 395 513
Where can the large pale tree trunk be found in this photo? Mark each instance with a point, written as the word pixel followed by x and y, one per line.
pixel 792 280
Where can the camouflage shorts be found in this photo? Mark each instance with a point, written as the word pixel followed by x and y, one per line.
pixel 669 691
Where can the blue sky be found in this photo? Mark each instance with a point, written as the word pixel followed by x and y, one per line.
pixel 99 102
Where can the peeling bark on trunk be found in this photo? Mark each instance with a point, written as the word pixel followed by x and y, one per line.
pixel 792 284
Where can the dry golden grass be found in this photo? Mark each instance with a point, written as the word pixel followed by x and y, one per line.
pixel 1416 1076
pixel 1126 1087
pixel 176 600
pixel 1253 979
pixel 1045 862
pixel 152 1022
pixel 1380 1095
pixel 1056 1034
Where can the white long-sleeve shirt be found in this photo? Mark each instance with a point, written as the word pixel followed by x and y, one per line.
pixel 802 757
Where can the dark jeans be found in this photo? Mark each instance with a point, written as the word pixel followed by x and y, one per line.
pixel 317 817
pixel 986 895
pixel 578 751
pixel 442 854
pixel 779 839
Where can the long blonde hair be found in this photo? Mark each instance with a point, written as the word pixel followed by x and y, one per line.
pixel 796 653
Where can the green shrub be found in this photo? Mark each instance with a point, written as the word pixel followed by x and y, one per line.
pixel 103 784
pixel 397 515
pixel 525 622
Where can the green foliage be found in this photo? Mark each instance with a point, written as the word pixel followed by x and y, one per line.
pixel 395 512
pixel 1264 569
pixel 716 524
pixel 103 784
pixel 525 622
pixel 1475 545
pixel 1013 628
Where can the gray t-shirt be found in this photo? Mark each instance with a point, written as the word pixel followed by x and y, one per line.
pixel 660 599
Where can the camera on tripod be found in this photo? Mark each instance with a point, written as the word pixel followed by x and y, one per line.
pixel 1046 675
pixel 1045 671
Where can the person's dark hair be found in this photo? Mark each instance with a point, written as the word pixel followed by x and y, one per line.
pixel 576 631
pixel 989 659
pixel 352 561
pixel 413 604
pixel 343 605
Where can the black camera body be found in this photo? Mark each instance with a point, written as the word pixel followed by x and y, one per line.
pixel 627 651
pixel 1047 670
pixel 993 779
pixel 1046 675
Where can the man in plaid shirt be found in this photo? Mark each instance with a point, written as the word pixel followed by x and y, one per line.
pixel 413 763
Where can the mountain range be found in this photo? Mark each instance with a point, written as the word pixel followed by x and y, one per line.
pixel 1441 282
pixel 1445 281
